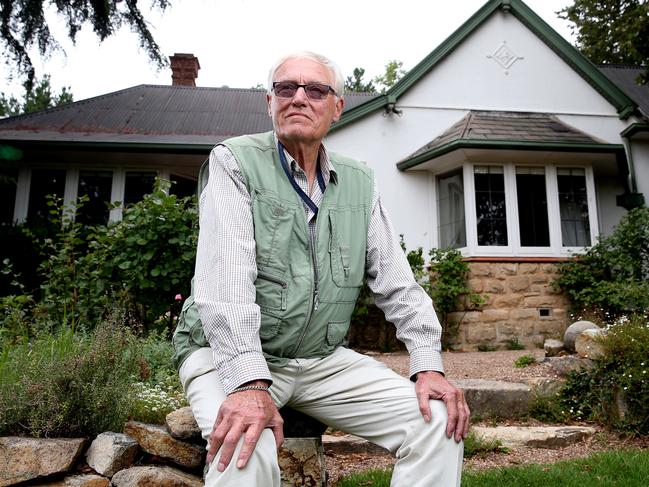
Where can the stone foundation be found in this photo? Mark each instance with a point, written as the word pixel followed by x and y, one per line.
pixel 521 305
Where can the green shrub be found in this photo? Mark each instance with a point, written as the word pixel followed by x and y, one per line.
pixel 613 275
pixel 524 361
pixel 450 290
pixel 549 409
pixel 514 344
pixel 68 384
pixel 150 253
pixel 142 262
pixel 621 377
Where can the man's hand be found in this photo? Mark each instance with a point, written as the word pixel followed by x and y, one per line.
pixel 433 385
pixel 245 413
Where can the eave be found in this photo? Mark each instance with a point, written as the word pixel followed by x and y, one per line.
pixel 617 149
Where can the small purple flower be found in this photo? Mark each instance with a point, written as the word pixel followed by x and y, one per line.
pixel 178 297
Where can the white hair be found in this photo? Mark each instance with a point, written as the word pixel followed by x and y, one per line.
pixel 339 82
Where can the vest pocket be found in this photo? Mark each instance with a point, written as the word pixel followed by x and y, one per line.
pixel 271 292
pixel 336 332
pixel 347 262
pixel 269 326
pixel 273 221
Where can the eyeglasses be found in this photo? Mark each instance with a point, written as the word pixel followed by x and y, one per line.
pixel 314 91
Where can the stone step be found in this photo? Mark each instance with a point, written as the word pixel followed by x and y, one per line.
pixel 492 398
pixel 551 437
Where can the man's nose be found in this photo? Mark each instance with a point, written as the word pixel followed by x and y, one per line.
pixel 300 96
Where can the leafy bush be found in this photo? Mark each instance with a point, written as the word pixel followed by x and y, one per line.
pixel 150 253
pixel 613 275
pixel 68 384
pixel 143 262
pixel 449 288
pixel 618 384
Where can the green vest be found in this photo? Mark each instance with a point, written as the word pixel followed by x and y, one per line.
pixel 306 296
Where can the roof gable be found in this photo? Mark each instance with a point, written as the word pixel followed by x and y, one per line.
pixel 624 105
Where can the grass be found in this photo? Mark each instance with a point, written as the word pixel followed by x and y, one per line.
pixel 623 468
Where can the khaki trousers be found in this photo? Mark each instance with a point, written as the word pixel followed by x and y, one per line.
pixel 348 391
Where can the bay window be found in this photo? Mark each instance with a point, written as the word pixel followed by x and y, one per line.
pixel 516 209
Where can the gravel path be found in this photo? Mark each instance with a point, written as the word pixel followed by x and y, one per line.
pixel 477 365
pixel 497 365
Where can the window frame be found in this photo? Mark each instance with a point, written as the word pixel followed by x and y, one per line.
pixel 514 247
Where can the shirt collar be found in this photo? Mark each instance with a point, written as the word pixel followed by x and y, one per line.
pixel 327 168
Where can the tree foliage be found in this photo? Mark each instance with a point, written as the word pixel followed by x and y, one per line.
pixel 39 97
pixel 356 84
pixel 23 25
pixel 393 73
pixel 612 31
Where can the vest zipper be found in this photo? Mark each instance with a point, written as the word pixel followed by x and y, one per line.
pixel 315 298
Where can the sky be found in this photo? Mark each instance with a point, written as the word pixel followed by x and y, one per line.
pixel 236 41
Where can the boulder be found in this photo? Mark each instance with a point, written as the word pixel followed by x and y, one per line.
pixel 573 332
pixel 563 366
pixel 111 452
pixel 534 436
pixel 157 441
pixel 79 481
pixel 587 344
pixel 301 461
pixel 552 347
pixel 182 425
pixel 154 476
pixel 491 398
pixel 30 458
pixel 545 386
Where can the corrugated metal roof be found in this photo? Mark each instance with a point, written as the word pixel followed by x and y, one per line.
pixel 153 113
pixel 509 126
pixel 625 76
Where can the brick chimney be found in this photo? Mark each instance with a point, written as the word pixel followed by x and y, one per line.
pixel 184 69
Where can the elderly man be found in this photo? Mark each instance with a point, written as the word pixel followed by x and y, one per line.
pixel 288 231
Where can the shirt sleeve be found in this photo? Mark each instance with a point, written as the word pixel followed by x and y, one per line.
pixel 398 295
pixel 225 273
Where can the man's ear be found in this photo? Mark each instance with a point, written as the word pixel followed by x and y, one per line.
pixel 340 105
pixel 268 100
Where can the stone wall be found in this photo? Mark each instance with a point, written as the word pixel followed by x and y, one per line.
pixel 520 305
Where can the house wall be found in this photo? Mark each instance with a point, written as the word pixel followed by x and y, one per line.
pixel 640 152
pixel 521 305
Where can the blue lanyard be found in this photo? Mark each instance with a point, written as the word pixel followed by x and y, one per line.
pixel 296 187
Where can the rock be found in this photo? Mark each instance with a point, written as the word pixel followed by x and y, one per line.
pixel 155 440
pixel 111 452
pixel 347 444
pixel 545 386
pixel 301 461
pixel 30 458
pixel 182 425
pixel 587 344
pixel 79 481
pixel 563 366
pixel 155 476
pixel 573 332
pixel 552 347
pixel 535 436
pixel 495 398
